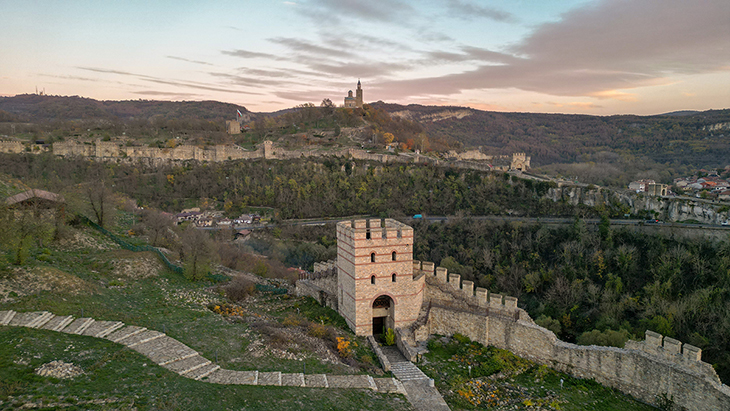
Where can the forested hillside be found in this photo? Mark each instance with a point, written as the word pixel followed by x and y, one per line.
pixel 595 286
pixel 300 188
pixel 563 138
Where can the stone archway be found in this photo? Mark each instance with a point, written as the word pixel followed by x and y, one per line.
pixel 383 308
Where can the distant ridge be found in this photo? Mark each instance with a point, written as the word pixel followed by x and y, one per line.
pixel 681 113
pixel 39 108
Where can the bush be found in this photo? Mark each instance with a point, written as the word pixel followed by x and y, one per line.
pixel 317 330
pixel 239 288
pixel 389 337
pixel 609 338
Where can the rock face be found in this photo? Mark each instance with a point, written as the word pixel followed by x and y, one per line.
pixel 668 209
pixel 59 369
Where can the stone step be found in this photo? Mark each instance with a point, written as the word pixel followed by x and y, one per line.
pixel 203 372
pixel 101 328
pixel 269 378
pixel 141 338
pixel 406 371
pixel 78 326
pixel 188 364
pixel 25 319
pixel 126 332
pixel 350 381
pixel 6 316
pixel 164 349
pixel 222 376
pixel 389 385
pixel 176 359
pixel 41 320
pixel 58 323
pixel 293 380
pixel 315 380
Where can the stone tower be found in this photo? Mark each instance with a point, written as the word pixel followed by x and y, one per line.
pixel 354 102
pixel 376 288
pixel 358 95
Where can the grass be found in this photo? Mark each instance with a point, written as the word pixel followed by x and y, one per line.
pixel 167 302
pixel 120 379
pixel 472 376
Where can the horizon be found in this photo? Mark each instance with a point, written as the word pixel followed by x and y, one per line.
pixel 594 57
pixel 370 103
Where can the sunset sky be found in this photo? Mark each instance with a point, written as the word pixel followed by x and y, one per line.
pixel 568 56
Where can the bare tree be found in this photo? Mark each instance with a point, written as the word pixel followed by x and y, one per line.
pixel 101 202
pixel 158 224
pixel 197 252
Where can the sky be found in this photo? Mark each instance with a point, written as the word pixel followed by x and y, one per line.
pixel 599 57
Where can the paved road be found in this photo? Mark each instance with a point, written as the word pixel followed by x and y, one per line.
pixel 534 220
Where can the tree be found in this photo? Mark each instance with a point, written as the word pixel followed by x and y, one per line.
pixel 158 224
pixel 197 253
pixel 101 201
pixel 21 228
pixel 388 138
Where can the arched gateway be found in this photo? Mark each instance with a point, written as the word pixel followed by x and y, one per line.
pixel 375 283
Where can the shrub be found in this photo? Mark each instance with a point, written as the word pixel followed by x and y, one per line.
pixel 389 337
pixel 462 338
pixel 239 288
pixel 317 330
pixel 609 338
pixel 292 320
pixel 344 347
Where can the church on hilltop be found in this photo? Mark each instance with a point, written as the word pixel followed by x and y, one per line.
pixel 354 102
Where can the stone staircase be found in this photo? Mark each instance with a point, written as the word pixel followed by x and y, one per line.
pixel 183 360
pixel 419 388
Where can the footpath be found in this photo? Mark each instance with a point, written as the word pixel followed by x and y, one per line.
pixel 183 360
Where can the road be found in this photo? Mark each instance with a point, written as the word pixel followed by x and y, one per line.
pixel 503 219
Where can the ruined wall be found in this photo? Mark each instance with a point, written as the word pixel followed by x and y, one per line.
pixel 14 147
pixel 659 365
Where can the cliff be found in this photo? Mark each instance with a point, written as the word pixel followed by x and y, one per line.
pixel 665 208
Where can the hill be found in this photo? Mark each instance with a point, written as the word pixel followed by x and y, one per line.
pixel 38 108
pixel 564 138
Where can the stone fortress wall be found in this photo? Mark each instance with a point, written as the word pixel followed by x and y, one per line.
pixel 644 369
pixel 112 150
pixel 656 366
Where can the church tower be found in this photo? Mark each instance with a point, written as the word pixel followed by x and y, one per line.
pixel 358 95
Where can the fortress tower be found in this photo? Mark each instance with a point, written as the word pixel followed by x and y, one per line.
pixel 376 288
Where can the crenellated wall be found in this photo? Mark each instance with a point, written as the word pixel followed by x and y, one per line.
pixel 656 366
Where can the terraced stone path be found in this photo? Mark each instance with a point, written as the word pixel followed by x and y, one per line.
pixel 181 359
pixel 418 387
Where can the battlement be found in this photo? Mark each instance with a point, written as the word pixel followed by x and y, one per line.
pixel 669 348
pixel 373 230
pixel 478 296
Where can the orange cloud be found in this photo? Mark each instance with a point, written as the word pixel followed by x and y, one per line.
pixel 615 94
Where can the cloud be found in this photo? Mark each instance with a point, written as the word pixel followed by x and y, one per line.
pixel 593 51
pixel 177 83
pixel 468 11
pixel 248 54
pixel 165 93
pixel 312 49
pixel 190 61
pixel 378 11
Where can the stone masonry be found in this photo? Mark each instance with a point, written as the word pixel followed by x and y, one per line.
pixel 375 259
pixel 644 369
